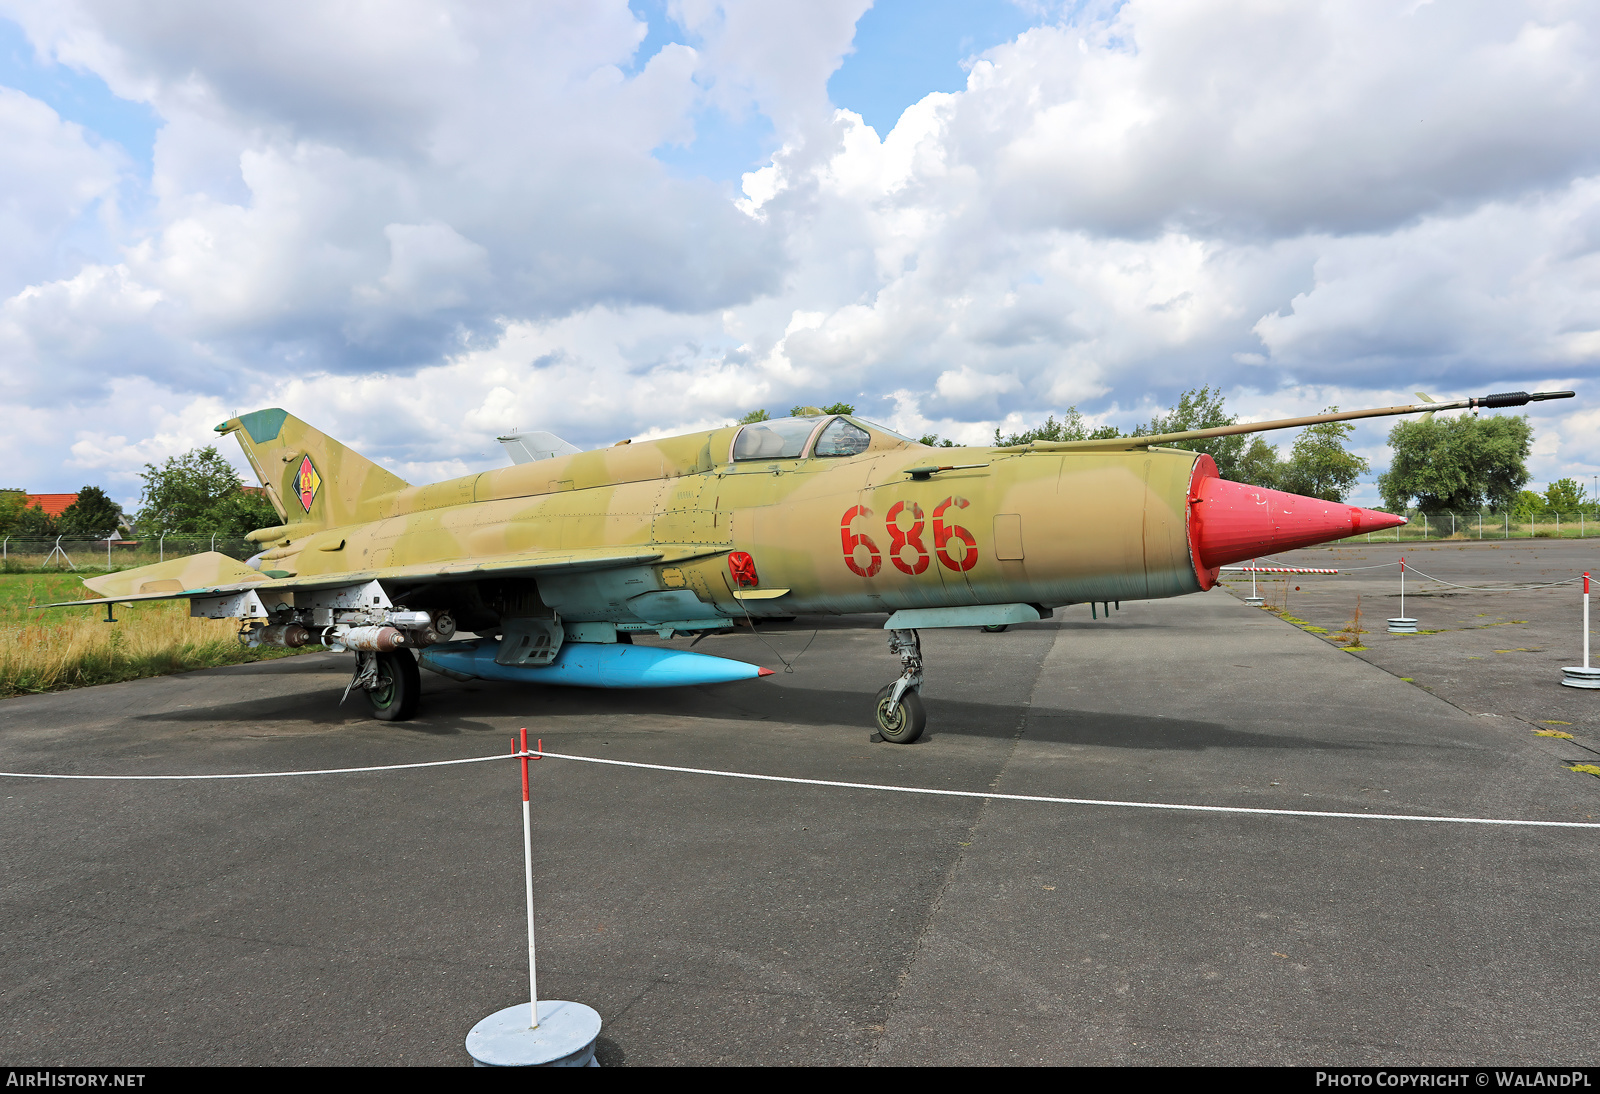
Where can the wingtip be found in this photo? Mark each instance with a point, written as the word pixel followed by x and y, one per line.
pixel 764 672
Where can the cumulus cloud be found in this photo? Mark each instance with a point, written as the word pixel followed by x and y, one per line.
pixel 60 176
pixel 419 224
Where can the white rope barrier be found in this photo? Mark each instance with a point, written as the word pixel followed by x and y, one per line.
pixel 930 791
pixel 258 774
pixel 1419 573
pixel 1495 588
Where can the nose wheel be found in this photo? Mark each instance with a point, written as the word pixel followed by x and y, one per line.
pixel 900 721
pixel 898 707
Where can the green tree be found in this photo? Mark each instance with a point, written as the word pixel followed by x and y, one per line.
pixel 94 515
pixel 1457 463
pixel 31 520
pixel 1201 408
pixel 1564 495
pixel 936 441
pixel 1319 465
pixel 812 411
pixel 1072 427
pixel 754 416
pixel 199 492
pixel 1260 465
pixel 1527 504
pixel 11 503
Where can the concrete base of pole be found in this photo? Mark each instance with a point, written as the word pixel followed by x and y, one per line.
pixel 1403 625
pixel 1255 601
pixel 1576 676
pixel 565 1037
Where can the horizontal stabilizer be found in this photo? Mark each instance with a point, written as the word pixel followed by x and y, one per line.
pixel 174 576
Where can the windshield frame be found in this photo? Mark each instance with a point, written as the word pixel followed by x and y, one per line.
pixel 816 438
pixel 819 424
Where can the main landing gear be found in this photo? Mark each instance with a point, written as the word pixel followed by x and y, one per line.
pixel 899 711
pixel 392 682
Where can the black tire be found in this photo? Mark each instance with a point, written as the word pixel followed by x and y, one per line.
pixel 902 722
pixel 994 628
pixel 399 687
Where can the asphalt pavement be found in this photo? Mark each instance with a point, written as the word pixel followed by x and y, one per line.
pixel 374 918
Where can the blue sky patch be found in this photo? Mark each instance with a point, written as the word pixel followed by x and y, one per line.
pixel 79 97
pixel 906 49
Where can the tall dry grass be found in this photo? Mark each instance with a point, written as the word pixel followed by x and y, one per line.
pixel 76 648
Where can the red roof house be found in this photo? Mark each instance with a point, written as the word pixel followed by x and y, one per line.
pixel 53 504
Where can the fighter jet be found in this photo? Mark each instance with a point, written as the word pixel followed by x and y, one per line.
pixel 555 563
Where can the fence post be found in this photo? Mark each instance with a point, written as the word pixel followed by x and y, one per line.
pixel 213 541
pixel 1480 523
pixel 161 545
pixel 5 549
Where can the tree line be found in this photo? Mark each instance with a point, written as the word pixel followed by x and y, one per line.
pixel 197 493
pixel 1460 464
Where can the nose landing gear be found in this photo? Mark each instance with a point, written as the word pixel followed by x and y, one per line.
pixel 899 712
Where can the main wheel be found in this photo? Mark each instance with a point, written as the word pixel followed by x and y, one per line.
pixel 399 687
pixel 900 723
pixel 993 628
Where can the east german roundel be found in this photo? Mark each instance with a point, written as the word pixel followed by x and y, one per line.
pixel 306 483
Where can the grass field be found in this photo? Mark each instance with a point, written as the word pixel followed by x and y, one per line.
pixel 73 647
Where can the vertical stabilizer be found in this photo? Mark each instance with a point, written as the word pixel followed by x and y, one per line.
pixel 313 479
pixel 529 446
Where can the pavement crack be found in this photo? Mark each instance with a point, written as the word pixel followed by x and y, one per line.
pixel 952 870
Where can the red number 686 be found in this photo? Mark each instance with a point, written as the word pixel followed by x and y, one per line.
pixel 902 540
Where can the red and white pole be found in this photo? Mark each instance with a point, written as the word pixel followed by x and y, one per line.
pixel 1403 624
pixel 527 868
pixel 511 1036
pixel 1586 619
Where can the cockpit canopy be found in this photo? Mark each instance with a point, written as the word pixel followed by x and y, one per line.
pixel 788 438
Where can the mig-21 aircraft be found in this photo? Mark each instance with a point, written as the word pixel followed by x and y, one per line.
pixel 554 563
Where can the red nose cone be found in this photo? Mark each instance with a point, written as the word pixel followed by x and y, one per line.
pixel 1235 522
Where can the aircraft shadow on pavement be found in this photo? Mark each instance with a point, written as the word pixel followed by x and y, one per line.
pixel 454 708
pixel 320 708
pixel 282 666
pixel 1108 730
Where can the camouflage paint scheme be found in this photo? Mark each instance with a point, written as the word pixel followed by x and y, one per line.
pixel 588 535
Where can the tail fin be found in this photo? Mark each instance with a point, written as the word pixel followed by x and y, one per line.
pixel 311 478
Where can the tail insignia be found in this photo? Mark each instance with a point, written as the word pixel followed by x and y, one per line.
pixel 307 483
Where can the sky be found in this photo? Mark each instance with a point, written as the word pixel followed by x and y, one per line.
pixel 419 224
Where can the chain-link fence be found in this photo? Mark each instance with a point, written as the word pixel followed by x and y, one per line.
pixel 1490 524
pixel 23 553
